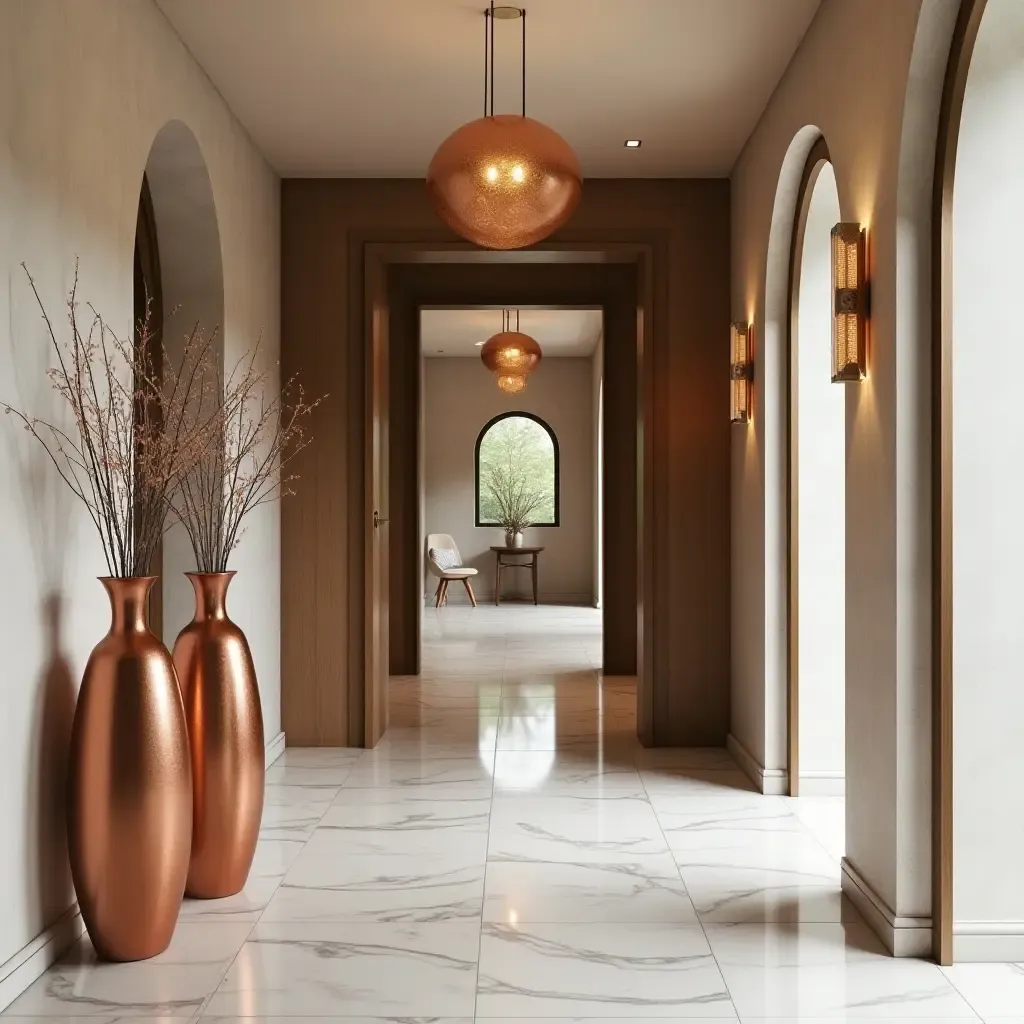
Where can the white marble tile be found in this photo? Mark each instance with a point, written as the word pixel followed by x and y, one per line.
pixel 649 890
pixel 576 969
pixel 293 820
pixel 560 829
pixel 456 737
pixel 319 757
pixel 379 771
pixel 565 773
pixel 175 983
pixel 993 990
pixel 272 859
pixel 668 758
pixel 102 1019
pixel 368 969
pixel 824 817
pixel 309 778
pixel 726 786
pixel 377 810
pixel 550 730
pixel 826 970
pixel 440 886
pixel 774 850
pixel 685 819
pixel 731 895
pixel 470 845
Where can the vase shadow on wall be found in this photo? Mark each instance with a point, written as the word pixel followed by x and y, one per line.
pixel 54 712
pixel 47 510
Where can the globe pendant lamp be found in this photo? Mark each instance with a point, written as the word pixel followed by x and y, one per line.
pixel 504 181
pixel 510 355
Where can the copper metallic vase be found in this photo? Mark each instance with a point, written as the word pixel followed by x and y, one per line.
pixel 225 728
pixel 129 786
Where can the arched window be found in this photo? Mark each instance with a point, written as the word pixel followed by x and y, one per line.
pixel 517 460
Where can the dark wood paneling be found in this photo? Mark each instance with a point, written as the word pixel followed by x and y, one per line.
pixel 683 443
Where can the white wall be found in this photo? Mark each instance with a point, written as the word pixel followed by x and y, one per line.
pixel 461 396
pixel 820 424
pixel 988 494
pixel 868 76
pixel 85 87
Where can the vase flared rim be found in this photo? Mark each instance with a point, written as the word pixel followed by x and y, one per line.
pixel 227 572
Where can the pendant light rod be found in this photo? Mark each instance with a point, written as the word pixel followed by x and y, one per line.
pixel 489 18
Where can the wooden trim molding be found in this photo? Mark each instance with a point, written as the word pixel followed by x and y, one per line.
pixel 961 50
pixel 816 159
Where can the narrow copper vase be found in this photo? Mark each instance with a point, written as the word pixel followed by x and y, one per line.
pixel 129 786
pixel 225 728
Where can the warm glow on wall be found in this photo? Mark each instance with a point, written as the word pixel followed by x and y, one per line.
pixel 849 320
pixel 740 372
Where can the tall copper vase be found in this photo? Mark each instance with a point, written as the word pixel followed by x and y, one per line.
pixel 130 786
pixel 225 728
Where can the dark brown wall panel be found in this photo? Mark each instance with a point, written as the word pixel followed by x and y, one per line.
pixel 325 226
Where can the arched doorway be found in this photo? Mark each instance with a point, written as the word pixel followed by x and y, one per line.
pixel 979 549
pixel 817 499
pixel 178 265
pixel 148 315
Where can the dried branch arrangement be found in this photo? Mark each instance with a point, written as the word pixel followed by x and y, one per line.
pixel 138 426
pixel 256 433
pixel 515 499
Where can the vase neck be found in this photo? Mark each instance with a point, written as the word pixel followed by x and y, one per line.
pixel 211 594
pixel 128 602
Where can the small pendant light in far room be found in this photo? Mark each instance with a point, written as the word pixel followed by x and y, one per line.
pixel 510 355
pixel 504 181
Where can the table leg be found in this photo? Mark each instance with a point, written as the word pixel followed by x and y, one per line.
pixel 497 579
pixel 534 570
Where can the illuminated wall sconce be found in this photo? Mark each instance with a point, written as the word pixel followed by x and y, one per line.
pixel 741 372
pixel 850 315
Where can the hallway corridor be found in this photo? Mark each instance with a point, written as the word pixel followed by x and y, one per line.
pixel 510 851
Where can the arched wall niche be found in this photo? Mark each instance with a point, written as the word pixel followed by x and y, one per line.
pixel 771 419
pixel 815 498
pixel 978 550
pixel 192 292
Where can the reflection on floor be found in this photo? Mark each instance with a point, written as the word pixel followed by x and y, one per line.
pixel 510 851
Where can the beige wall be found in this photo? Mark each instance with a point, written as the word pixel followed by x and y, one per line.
pixel 85 87
pixel 460 398
pixel 868 77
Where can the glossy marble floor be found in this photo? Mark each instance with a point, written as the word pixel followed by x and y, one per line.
pixel 509 851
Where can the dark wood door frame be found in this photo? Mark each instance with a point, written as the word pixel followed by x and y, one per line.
pixel 615 275
pixel 965 35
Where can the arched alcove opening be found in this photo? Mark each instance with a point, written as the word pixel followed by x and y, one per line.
pixel 980 200
pixel 817 500
pixel 178 245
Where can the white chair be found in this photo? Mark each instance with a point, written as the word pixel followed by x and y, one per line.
pixel 445 562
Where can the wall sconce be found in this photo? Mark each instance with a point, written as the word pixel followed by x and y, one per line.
pixel 741 372
pixel 850 315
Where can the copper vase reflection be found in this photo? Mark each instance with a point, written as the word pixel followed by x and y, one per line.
pixel 129 786
pixel 225 728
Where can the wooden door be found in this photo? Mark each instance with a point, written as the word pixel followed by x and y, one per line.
pixel 376 513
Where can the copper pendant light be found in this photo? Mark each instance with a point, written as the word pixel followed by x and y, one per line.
pixel 504 181
pixel 510 355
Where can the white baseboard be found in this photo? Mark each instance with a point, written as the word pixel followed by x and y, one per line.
pixel 32 961
pixel 275 748
pixel 903 936
pixel 822 783
pixel 988 942
pixel 770 781
pixel 461 598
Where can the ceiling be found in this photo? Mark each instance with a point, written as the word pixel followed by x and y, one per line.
pixel 460 332
pixel 368 88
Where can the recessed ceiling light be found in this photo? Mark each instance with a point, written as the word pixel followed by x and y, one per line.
pixel 632 143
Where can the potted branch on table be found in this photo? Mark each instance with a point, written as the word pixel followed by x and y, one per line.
pixel 257 433
pixel 131 434
pixel 515 500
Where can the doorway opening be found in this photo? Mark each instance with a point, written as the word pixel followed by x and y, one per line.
pixel 817 514
pixel 511 657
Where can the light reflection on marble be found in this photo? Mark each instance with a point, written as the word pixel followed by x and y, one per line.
pixel 583 871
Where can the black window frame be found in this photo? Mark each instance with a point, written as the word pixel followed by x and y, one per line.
pixel 476 465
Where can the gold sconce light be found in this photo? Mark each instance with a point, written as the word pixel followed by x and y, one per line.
pixel 741 372
pixel 850 312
